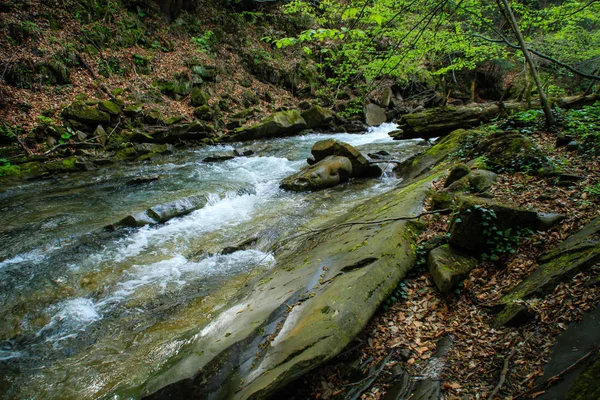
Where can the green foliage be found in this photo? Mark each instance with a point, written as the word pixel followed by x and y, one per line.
pixel 206 41
pixel 398 294
pixel 43 120
pixel 421 41
pixel 500 242
pixel 584 125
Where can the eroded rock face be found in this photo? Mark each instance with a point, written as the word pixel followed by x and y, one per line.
pixel 321 293
pixel 327 172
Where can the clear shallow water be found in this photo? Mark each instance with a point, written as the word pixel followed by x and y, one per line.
pixel 89 314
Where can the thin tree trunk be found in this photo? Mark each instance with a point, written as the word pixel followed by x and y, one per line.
pixel 543 99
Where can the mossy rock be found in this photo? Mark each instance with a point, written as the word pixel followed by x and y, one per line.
pixel 245 113
pixel 206 73
pixel 204 113
pixel 133 110
pixel 374 115
pixel 434 155
pixel 512 152
pixel 317 116
pixel 456 173
pixel 69 164
pixel 587 385
pixel 479 221
pixel 53 73
pixel 199 97
pixel 110 107
pixel 176 89
pixel 283 123
pixel 448 267
pixel 153 116
pixel 85 114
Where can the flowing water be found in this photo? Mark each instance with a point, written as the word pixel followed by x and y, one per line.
pixel 90 313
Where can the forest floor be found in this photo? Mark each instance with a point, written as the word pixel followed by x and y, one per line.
pixel 480 354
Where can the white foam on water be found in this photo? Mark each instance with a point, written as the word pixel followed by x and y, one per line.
pixel 179 270
pixel 73 315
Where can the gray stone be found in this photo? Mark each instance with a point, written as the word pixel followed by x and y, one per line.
pixel 448 267
pixel 548 220
pixel 386 97
pixel 456 173
pixel 374 115
pixel 220 156
pixel 328 172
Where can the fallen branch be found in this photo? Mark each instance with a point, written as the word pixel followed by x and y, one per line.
pixel 505 369
pixel 376 222
pixel 552 380
pixel 76 144
pixel 357 391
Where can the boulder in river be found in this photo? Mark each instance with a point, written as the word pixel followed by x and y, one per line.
pixel 317 116
pixel 374 115
pixel 325 173
pixel 360 165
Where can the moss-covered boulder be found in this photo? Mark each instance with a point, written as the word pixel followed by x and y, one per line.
pixel 176 89
pixel 88 115
pixel 111 107
pixel 456 173
pixel 317 117
pixel 195 131
pixel 328 172
pixel 199 97
pixel 53 73
pixel 482 225
pixel 204 113
pixel 448 267
pixel 433 155
pixel 153 116
pixel 476 181
pixel 283 123
pixel 133 110
pixel 360 165
pixel 513 152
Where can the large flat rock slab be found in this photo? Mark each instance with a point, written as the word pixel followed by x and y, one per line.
pixel 326 286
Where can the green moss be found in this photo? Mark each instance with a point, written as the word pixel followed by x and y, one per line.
pixel 69 163
pixel 10 170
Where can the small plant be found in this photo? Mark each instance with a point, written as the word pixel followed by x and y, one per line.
pixel 205 41
pixel 398 294
pixel 43 120
pixel 500 242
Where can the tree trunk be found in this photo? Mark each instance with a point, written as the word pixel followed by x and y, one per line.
pixel 510 16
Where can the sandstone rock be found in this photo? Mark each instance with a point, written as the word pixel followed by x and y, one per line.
pixel 374 115
pixel 283 123
pixel 88 115
pixel 326 173
pixel 448 267
pixel 317 116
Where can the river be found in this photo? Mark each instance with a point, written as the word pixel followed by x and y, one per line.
pixel 90 313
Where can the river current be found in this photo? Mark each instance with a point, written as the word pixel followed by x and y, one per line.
pixel 91 313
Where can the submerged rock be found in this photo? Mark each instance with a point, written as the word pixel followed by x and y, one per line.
pixel 328 172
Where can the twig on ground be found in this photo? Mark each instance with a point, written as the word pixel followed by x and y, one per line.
pixel 505 368
pixel 552 380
